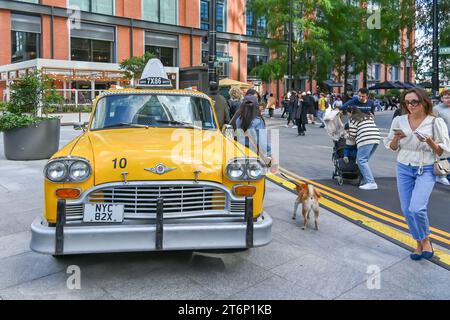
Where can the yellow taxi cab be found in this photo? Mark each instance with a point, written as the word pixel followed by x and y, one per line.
pixel 152 171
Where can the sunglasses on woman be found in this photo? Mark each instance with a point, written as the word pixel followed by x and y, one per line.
pixel 414 103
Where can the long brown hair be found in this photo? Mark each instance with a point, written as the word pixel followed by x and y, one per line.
pixel 424 100
pixel 357 115
pixel 249 111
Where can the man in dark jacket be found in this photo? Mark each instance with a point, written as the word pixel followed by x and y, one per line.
pixel 299 113
pixel 308 103
pixel 221 108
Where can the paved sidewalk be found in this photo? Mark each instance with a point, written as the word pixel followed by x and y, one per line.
pixel 332 263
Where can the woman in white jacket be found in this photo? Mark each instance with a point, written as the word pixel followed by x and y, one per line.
pixel 419 138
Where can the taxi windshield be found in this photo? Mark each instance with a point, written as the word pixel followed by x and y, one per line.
pixel 152 110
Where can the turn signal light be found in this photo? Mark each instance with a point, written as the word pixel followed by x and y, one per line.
pixel 244 191
pixel 68 193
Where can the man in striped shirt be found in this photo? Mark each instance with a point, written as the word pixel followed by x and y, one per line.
pixel 367 136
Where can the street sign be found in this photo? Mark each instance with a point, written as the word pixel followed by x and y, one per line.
pixel 225 59
pixel 444 50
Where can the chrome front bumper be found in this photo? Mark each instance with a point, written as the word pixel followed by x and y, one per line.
pixel 128 238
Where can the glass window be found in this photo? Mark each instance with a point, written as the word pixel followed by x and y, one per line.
pixel 254 26
pixel 97 6
pixel 163 11
pixel 150 10
pixel 168 9
pixel 24 46
pixel 221 15
pixel 122 111
pixel 166 55
pixel 102 6
pixel 91 50
pixel 253 62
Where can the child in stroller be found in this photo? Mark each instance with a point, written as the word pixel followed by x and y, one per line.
pixel 344 151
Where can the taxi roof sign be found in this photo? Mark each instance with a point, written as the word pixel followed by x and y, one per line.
pixel 154 75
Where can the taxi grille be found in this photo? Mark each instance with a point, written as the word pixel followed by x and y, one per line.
pixel 140 201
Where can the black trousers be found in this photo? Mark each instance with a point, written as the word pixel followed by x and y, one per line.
pixel 301 127
pixel 271 113
pixel 289 119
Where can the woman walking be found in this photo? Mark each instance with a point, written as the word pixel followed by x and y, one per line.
pixel 253 126
pixel 271 104
pixel 442 110
pixel 292 100
pixel 299 113
pixel 419 138
pixel 235 100
pixel 363 129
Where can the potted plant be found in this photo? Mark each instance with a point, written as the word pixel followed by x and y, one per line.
pixel 29 134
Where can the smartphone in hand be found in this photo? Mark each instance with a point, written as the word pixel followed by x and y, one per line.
pixel 420 136
pixel 398 131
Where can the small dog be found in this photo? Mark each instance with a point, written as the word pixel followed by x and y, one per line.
pixel 309 197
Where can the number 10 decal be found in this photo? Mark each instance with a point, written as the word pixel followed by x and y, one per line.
pixel 122 163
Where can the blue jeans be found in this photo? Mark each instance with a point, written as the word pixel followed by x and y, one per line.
pixel 414 190
pixel 350 151
pixel 362 160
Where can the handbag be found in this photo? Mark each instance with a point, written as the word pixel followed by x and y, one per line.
pixel 441 167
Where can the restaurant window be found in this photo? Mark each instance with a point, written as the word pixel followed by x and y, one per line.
pixel 163 46
pixel 221 15
pixel 256 56
pixel 96 6
pixel 162 11
pixel 93 43
pixel 25 37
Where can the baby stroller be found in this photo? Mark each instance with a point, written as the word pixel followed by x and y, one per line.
pixel 342 170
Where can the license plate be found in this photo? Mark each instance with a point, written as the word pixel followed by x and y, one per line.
pixel 103 212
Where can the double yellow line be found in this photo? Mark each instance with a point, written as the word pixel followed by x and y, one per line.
pixel 358 210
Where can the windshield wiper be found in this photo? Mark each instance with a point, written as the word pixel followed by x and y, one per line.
pixel 125 124
pixel 180 123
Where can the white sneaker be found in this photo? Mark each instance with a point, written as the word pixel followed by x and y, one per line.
pixel 286 126
pixel 294 127
pixel 443 180
pixel 369 186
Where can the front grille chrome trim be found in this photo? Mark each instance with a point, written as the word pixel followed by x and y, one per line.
pixel 183 199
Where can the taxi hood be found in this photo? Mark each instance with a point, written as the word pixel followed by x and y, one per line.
pixel 159 154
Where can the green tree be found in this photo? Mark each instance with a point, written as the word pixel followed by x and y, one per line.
pixel 134 66
pixel 424 46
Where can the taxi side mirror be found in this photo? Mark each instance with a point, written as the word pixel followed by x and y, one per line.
pixel 80 126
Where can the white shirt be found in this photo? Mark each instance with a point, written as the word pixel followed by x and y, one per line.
pixel 411 150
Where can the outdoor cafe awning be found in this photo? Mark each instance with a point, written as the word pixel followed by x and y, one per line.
pixel 233 83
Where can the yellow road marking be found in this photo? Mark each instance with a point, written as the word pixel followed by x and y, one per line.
pixel 380 227
pixel 391 214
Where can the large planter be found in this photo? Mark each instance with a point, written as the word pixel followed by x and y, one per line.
pixel 34 142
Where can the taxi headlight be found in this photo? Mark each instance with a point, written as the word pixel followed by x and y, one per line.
pixel 56 171
pixel 242 169
pixel 71 169
pixel 236 170
pixel 255 170
pixel 79 171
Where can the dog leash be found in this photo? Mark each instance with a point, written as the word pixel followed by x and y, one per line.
pixel 289 179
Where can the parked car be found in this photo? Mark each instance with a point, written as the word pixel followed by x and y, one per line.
pixel 152 171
